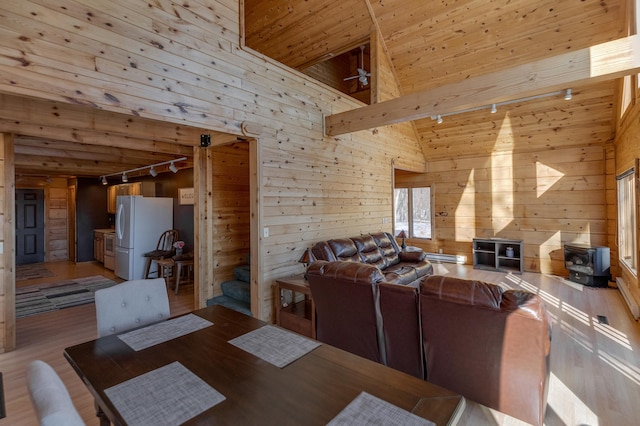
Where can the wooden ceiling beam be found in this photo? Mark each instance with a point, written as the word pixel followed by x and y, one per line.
pixel 602 62
pixel 81 151
pixel 27 111
pixel 91 137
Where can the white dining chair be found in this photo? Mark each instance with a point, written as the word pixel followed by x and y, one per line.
pixel 50 397
pixel 131 304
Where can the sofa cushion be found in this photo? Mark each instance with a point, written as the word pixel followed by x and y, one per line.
pixel 344 249
pixel 400 273
pixel 388 248
pixel 369 251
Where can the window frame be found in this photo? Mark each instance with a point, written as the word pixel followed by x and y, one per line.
pixel 630 207
pixel 410 211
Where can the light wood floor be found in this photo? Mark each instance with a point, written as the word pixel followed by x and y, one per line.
pixel 595 377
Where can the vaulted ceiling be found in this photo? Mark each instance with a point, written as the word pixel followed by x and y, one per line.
pixel 428 44
pixel 431 44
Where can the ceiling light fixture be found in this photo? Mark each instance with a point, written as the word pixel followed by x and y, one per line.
pixel 494 106
pixel 152 170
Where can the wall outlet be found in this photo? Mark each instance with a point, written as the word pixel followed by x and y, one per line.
pixel 385 220
pixel 265 232
pixel 440 250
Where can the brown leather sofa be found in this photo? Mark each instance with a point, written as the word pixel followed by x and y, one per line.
pixel 380 250
pixel 489 344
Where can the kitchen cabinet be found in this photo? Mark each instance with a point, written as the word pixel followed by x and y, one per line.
pixel 98 246
pixel 104 247
pixel 146 189
pixel 110 250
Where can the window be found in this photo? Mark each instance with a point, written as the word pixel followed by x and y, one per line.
pixel 413 212
pixel 627 249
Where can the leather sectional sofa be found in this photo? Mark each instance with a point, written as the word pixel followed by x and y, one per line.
pixel 489 344
pixel 381 250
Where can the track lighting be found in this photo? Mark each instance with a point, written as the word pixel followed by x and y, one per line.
pixel 568 95
pixel 494 106
pixel 152 170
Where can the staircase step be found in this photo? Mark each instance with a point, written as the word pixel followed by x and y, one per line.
pixel 231 303
pixel 237 290
pixel 242 273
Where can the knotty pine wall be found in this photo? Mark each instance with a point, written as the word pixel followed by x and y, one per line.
pixel 185 65
pixel 231 210
pixel 536 171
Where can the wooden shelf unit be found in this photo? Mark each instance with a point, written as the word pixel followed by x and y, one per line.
pixel 491 254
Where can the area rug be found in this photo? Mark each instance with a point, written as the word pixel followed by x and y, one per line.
pixel 32 271
pixel 41 298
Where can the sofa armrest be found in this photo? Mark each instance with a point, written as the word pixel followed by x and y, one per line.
pixel 412 254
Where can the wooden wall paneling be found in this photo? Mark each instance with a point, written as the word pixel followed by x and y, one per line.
pixel 288 105
pixel 7 241
pixel 231 212
pixel 204 269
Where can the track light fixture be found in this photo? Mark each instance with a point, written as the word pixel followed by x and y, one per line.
pixel 152 170
pixel 494 106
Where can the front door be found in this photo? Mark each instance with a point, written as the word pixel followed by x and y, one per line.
pixel 29 226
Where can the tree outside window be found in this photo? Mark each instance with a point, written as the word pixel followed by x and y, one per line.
pixel 412 208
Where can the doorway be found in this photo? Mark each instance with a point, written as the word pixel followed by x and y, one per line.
pixel 29 226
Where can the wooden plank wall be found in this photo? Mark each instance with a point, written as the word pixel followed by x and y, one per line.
pixel 231 215
pixel 7 240
pixel 185 65
pixel 526 172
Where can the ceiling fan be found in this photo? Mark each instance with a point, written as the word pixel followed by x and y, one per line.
pixel 362 73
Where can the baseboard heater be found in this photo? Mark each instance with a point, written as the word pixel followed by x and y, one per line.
pixel 628 297
pixel 446 258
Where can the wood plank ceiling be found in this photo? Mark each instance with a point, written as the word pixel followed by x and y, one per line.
pixel 62 140
pixel 429 44
pixel 432 43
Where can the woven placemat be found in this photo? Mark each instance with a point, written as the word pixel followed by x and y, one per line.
pixel 275 345
pixel 167 396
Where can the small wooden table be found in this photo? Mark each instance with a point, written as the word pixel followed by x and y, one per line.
pixel 299 315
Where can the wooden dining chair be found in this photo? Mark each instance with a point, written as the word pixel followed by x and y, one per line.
pixel 50 397
pixel 164 249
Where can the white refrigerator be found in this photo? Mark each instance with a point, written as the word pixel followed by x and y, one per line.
pixel 139 223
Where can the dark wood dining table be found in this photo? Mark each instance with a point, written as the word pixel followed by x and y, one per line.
pixel 311 390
